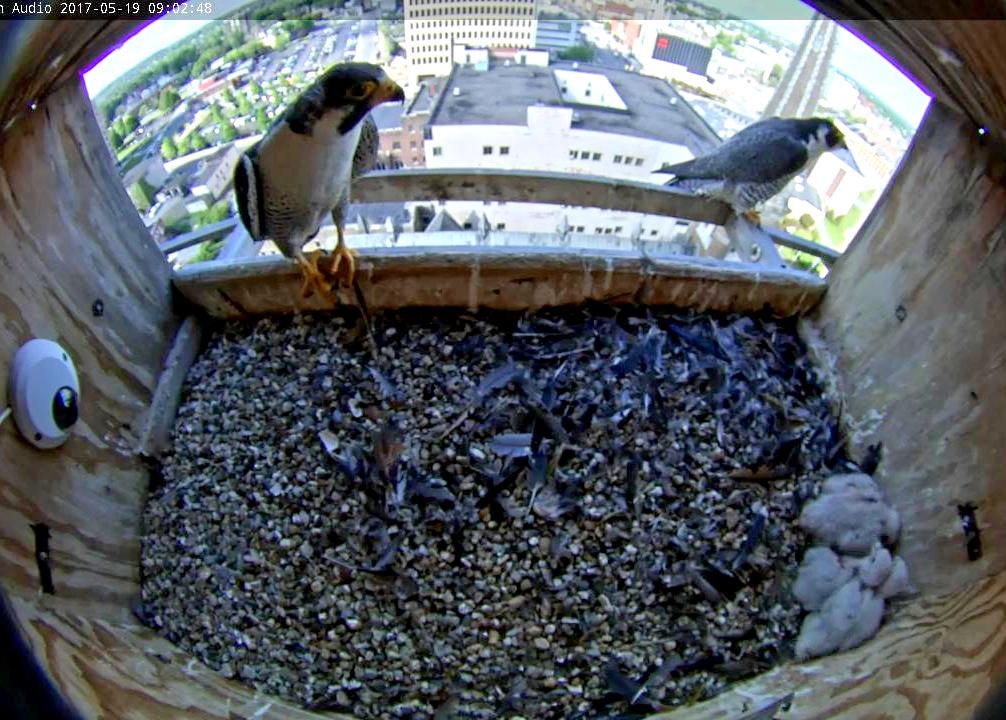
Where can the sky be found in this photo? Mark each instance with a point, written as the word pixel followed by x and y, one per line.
pixel 785 18
pixel 865 65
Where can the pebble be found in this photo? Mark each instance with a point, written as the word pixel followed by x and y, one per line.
pixel 256 502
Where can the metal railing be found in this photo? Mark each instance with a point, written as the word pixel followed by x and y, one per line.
pixel 753 244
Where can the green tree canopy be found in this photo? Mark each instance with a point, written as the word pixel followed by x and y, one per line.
pixel 169 151
pixel 580 53
pixel 199 142
pixel 228 133
pixel 261 119
pixel 168 100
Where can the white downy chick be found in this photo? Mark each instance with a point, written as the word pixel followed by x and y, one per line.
pixel 850 522
pixel 858 483
pixel 847 619
pixel 876 567
pixel 897 583
pixel 871 611
pixel 815 639
pixel 821 573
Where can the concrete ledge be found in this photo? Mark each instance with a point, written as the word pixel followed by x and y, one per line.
pixel 504 278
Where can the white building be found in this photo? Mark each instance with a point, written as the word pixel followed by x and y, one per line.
pixel 565 118
pixel 433 27
pixel 215 176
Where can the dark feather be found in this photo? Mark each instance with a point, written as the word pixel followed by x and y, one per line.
pixel 761 152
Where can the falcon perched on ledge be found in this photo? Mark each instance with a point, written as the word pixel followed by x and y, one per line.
pixel 757 162
pixel 303 166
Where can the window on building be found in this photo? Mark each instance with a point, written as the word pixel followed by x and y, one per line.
pixel 487 149
pixel 597 156
pixel 618 158
pixel 618 229
pixel 639 161
pixel 437 151
pixel 412 144
pixel 653 232
pixel 599 230
pixel 584 155
pixel 579 228
pixel 501 226
pixel 572 154
pixel 504 150
pixel 396 145
pixel 607 231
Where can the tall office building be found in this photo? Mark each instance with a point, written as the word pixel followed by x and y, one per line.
pixel 434 27
pixel 803 82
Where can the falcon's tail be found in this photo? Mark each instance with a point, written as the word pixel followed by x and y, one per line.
pixel 679 171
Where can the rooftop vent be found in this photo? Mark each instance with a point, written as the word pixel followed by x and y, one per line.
pixel 456 91
pixel 674 101
pixel 576 65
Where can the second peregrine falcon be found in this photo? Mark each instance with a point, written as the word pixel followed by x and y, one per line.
pixel 301 170
pixel 756 163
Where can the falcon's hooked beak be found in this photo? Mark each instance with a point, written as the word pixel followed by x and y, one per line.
pixel 387 91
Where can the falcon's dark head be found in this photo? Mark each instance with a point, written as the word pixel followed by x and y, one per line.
pixel 355 88
pixel 823 133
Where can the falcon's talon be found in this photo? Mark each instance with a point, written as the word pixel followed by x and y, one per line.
pixel 341 253
pixel 314 279
pixel 753 216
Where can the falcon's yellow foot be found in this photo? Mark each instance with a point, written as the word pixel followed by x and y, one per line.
pixel 753 217
pixel 341 253
pixel 314 279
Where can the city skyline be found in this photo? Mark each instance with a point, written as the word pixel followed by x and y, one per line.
pixel 787 19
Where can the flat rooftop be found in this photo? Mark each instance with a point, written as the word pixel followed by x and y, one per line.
pixel 501 96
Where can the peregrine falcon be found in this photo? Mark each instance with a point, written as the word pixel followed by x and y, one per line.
pixel 757 162
pixel 303 166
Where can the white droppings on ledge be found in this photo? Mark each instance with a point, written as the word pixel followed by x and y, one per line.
pixel 588 280
pixel 262 710
pixel 474 284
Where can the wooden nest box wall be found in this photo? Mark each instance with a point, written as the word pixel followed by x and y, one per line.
pixel 913 315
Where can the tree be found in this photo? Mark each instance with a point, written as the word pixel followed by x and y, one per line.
pixel 217 114
pixel 775 76
pixel 581 53
pixel 261 119
pixel 169 151
pixel 254 89
pixel 184 145
pixel 114 138
pixel 130 122
pixel 119 127
pixel 168 100
pixel 199 142
pixel 725 42
pixel 229 96
pixel 228 133
pixel 244 105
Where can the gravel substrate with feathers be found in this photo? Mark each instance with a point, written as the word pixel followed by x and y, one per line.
pixel 577 513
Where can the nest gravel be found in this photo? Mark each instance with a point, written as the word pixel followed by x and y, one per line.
pixel 559 515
